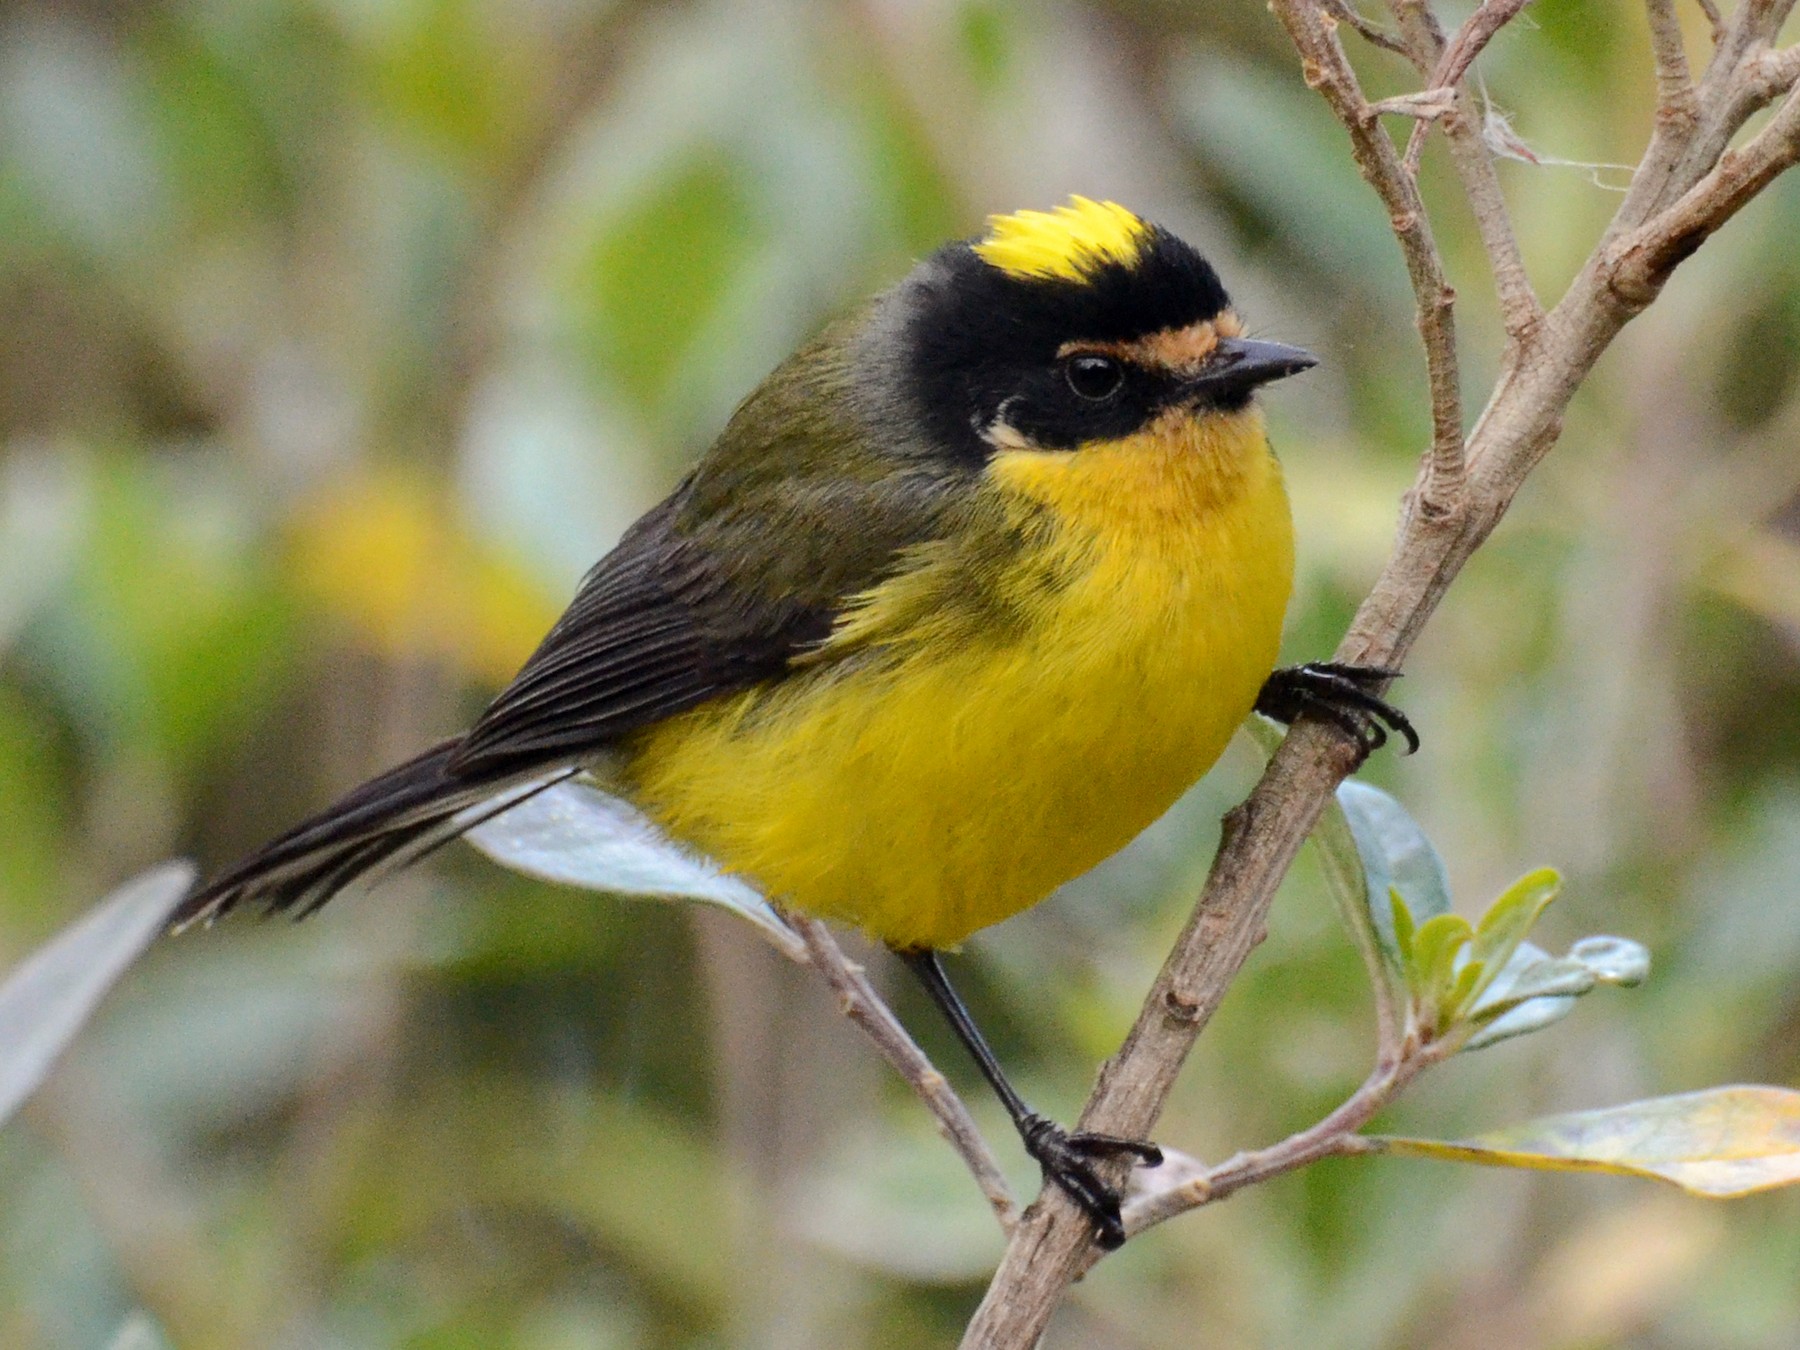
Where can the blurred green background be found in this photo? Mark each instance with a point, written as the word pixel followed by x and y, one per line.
pixel 337 337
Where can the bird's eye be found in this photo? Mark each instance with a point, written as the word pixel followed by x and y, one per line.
pixel 1094 377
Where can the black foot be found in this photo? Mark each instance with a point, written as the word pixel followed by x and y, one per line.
pixel 1067 1159
pixel 1337 694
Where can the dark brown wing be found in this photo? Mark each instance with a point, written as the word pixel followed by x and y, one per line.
pixel 659 626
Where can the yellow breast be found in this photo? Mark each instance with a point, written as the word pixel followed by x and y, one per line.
pixel 996 720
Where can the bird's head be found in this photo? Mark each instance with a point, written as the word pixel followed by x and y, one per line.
pixel 1068 328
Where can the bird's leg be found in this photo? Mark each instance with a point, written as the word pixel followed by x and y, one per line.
pixel 1338 694
pixel 1067 1156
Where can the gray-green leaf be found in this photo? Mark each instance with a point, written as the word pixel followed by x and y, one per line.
pixel 51 994
pixel 577 835
pixel 1614 960
pixel 1395 854
pixel 1536 989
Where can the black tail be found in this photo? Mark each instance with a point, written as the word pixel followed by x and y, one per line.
pixel 386 823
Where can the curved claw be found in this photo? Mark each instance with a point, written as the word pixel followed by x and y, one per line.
pixel 1339 694
pixel 1113 1145
pixel 1066 1159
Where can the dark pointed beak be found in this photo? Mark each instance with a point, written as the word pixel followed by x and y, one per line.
pixel 1238 365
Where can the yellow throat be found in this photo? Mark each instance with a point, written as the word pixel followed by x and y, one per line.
pixel 1017 703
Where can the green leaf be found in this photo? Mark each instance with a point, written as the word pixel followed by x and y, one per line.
pixel 1534 991
pixel 1460 993
pixel 576 835
pixel 1509 919
pixel 1720 1142
pixel 1404 928
pixel 1396 855
pixel 1437 949
pixel 51 994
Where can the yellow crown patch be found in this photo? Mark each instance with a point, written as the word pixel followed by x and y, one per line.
pixel 1069 243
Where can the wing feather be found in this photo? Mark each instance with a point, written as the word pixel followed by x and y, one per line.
pixel 657 627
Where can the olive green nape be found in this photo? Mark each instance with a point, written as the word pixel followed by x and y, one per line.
pixel 795 458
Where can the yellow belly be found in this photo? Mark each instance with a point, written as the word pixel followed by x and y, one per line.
pixel 940 779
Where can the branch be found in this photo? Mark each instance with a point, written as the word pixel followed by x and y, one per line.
pixel 1743 77
pixel 1674 85
pixel 1428 105
pixel 1473 36
pixel 1520 311
pixel 1685 188
pixel 1455 57
pixel 1191 1186
pixel 1714 19
pixel 863 1006
pixel 1642 260
pixel 1770 74
pixel 1327 69
pixel 1372 33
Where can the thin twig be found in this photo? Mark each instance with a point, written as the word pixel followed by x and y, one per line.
pixel 1372 33
pixel 1715 19
pixel 1428 105
pixel 1642 260
pixel 1520 310
pixel 1473 36
pixel 1733 88
pixel 1163 1198
pixel 1682 191
pixel 863 1006
pixel 1327 69
pixel 1459 54
pixel 1674 84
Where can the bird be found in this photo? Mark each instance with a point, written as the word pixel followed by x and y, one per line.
pixel 966 593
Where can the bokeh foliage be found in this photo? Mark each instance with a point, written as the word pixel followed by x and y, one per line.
pixel 338 336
